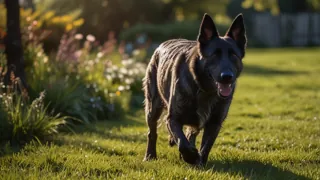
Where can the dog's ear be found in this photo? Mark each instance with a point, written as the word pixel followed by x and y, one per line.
pixel 207 30
pixel 237 32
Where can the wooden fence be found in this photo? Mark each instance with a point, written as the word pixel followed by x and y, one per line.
pixel 286 30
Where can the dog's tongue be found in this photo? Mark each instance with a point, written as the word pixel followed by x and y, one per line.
pixel 224 89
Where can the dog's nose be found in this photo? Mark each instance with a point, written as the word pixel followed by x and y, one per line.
pixel 226 77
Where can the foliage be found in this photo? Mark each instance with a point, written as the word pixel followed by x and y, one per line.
pixel 108 74
pixel 194 9
pixel 64 95
pixel 162 32
pixel 277 6
pixel 20 120
pixel 106 16
pixel 83 80
pixel 118 15
pixel 42 18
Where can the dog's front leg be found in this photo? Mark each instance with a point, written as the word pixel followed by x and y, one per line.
pixel 188 152
pixel 212 129
pixel 210 134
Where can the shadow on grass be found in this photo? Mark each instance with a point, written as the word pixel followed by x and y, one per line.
pixel 253 170
pixel 266 71
pixel 93 147
pixel 57 167
pixel 109 130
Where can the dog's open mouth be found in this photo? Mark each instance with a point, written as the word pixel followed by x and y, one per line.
pixel 224 90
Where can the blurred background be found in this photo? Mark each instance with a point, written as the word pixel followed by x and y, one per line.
pixel 270 23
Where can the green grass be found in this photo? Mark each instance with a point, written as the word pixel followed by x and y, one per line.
pixel 272 132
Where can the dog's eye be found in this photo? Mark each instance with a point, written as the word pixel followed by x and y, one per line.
pixel 236 56
pixel 233 54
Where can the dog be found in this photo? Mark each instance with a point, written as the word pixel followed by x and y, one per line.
pixel 195 82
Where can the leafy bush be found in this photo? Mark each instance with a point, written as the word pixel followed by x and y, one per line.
pixel 82 80
pixel 20 120
pixel 108 74
pixel 65 93
pixel 41 19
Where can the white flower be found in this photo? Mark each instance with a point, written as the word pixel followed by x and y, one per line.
pixel 39 54
pixel 136 71
pixel 90 62
pixel 108 70
pixel 130 72
pixel 45 59
pixel 130 61
pixel 91 38
pixel 127 81
pixel 109 77
pixel 127 62
pixel 136 52
pixel 100 54
pixel 124 62
pixel 114 67
pixel 121 88
pixel 123 71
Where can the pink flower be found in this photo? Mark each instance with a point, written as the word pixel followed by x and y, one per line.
pixel 78 36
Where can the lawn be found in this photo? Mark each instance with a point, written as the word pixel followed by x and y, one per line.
pixel 272 132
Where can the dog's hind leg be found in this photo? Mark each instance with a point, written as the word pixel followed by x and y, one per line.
pixel 153 109
pixel 152 116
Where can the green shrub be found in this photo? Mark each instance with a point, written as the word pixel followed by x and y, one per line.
pixel 110 76
pixel 30 121
pixel 162 32
pixel 82 80
pixel 65 93
pixel 22 121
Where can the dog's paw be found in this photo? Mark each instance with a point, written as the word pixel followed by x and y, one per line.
pixel 190 155
pixel 200 164
pixel 149 157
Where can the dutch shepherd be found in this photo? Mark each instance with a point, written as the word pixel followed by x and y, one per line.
pixel 194 81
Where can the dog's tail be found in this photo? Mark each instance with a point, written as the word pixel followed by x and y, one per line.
pixel 150 82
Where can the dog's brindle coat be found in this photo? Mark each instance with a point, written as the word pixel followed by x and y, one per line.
pixel 195 82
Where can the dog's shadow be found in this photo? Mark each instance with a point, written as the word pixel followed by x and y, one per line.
pixel 252 170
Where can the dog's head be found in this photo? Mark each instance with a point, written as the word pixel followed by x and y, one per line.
pixel 221 56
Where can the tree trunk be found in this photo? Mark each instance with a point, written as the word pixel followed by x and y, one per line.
pixel 13 44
